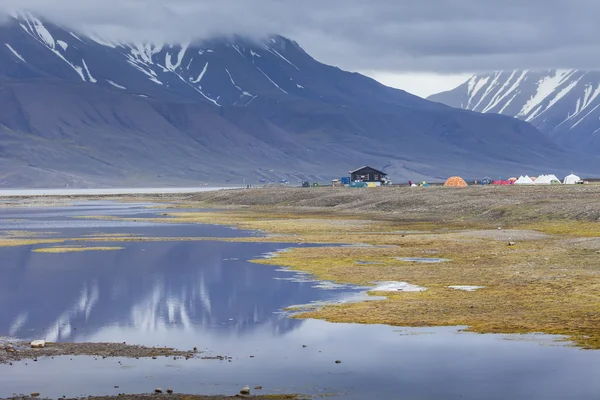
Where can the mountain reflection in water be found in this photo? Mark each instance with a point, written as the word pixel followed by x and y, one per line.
pixel 152 286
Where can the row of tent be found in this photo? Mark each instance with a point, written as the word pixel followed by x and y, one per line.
pixel 546 180
pixel 457 181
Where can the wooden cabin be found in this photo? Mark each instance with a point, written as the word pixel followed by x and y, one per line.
pixel 367 174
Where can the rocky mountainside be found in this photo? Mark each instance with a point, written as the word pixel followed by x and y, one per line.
pixel 565 104
pixel 80 110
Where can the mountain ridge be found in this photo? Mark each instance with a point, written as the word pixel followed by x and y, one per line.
pixel 563 103
pixel 88 112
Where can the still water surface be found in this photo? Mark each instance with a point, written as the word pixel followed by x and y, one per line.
pixel 206 294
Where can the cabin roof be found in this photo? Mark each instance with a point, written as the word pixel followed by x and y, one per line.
pixel 366 166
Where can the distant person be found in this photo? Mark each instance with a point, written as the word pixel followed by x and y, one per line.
pixel 409 183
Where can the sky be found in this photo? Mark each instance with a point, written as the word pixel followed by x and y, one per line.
pixel 422 47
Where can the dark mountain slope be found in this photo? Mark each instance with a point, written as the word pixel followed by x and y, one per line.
pixel 77 110
pixel 564 104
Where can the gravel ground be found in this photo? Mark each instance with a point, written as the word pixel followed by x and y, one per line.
pixel 16 351
pixel 489 202
pixel 505 234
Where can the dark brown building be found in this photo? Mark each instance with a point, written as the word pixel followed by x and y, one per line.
pixel 367 174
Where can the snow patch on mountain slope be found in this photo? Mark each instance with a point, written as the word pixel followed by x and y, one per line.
pixel 20 57
pixel 148 72
pixel 474 86
pixel 270 80
pixel 236 48
pixel 75 36
pixel 500 94
pixel 143 52
pixel 244 93
pixel 546 86
pixel 168 58
pixel 102 41
pixel 63 44
pixel 207 97
pixel 116 84
pixel 91 78
pixel 36 26
pixel 201 75
pixel 36 29
pixel 584 117
pixel 276 53
pixel 583 103
pixel 562 94
pixel 513 89
pixel 489 89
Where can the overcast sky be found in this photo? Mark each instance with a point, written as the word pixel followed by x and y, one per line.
pixel 421 46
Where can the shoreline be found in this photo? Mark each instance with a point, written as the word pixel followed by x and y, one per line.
pixel 533 251
pixel 66 192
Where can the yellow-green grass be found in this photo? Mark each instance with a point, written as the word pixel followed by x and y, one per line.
pixel 566 227
pixel 21 234
pixel 10 242
pixel 535 286
pixel 73 249
pixel 373 228
pixel 308 227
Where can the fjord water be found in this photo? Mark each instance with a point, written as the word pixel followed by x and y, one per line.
pixel 206 294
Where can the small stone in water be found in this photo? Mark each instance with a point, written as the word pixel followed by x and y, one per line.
pixel 158 390
pixel 170 391
pixel 258 387
pixel 245 390
pixel 35 394
pixel 337 361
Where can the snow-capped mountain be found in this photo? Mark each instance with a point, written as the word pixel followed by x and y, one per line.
pixel 78 109
pixel 563 103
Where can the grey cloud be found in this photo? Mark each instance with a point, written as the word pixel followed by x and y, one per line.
pixel 378 35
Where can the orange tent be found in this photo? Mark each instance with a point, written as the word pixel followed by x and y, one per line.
pixel 455 181
pixel 513 179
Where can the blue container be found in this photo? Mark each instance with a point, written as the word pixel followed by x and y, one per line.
pixel 345 180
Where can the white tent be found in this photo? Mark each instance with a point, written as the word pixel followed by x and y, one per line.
pixel 524 180
pixel 571 179
pixel 546 180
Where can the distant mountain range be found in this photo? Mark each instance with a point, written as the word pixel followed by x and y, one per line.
pixel 563 103
pixel 80 110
